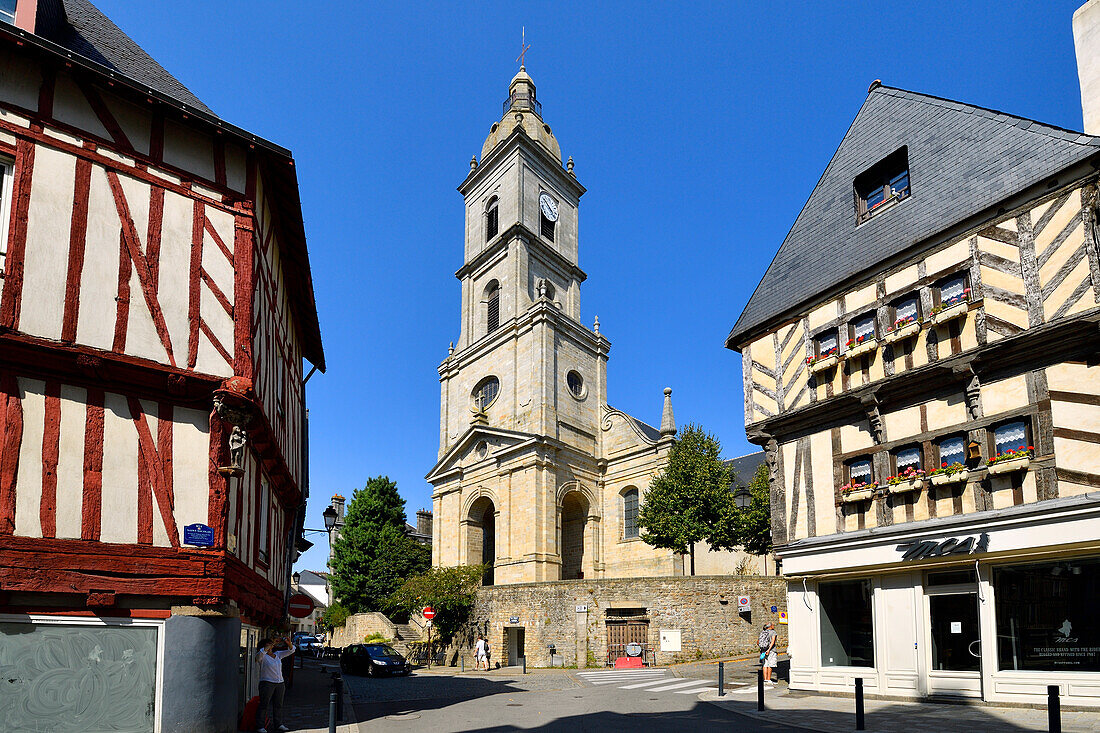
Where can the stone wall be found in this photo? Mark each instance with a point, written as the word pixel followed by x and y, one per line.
pixel 573 615
pixel 361 625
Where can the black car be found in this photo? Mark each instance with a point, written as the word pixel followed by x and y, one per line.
pixel 373 660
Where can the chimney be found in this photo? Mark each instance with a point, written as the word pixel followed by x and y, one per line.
pixel 338 504
pixel 1086 42
pixel 424 522
pixel 25 12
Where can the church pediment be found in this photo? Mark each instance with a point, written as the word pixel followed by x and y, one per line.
pixel 479 443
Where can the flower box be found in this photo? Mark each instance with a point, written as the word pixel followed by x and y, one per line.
pixel 902 332
pixel 951 312
pixel 866 347
pixel 1009 466
pixel 824 364
pixel 903 487
pixel 946 479
pixel 856 495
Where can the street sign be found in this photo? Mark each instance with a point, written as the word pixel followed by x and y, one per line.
pixel 775 608
pixel 782 617
pixel 428 613
pixel 300 606
pixel 199 535
pixel 743 604
pixel 582 608
pixel 513 619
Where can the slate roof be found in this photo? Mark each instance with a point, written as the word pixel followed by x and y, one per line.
pixel 962 160
pixel 744 468
pixel 78 26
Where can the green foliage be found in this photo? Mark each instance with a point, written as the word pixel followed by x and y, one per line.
pixel 752 525
pixel 685 503
pixel 449 591
pixel 335 615
pixel 591 661
pixel 376 638
pixel 373 556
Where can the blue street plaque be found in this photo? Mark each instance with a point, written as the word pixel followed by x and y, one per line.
pixel 775 608
pixel 199 535
pixel 513 619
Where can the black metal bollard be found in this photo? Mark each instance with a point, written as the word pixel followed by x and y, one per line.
pixel 338 692
pixel 524 658
pixel 860 724
pixel 463 660
pixel 760 689
pixel 721 678
pixel 332 712
pixel 1054 710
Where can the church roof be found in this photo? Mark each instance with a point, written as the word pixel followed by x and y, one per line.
pixel 962 160
pixel 744 468
pixel 522 111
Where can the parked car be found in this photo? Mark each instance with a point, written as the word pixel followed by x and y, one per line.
pixel 373 660
pixel 309 645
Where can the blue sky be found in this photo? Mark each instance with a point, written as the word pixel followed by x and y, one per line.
pixel 698 129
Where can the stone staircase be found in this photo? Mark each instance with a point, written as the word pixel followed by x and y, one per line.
pixel 404 633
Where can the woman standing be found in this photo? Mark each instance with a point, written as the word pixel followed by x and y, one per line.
pixel 271 682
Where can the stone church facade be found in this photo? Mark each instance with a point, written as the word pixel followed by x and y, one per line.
pixel 536 475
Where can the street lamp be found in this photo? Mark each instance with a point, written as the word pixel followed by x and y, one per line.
pixel 742 498
pixel 297 578
pixel 330 517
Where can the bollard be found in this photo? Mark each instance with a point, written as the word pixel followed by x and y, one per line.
pixel 332 712
pixel 460 657
pixel 1054 710
pixel 721 679
pixel 860 725
pixel 760 689
pixel 524 664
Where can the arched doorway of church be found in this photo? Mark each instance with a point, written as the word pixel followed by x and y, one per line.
pixel 481 536
pixel 574 518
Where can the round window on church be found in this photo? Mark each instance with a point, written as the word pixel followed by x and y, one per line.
pixel 486 393
pixel 576 385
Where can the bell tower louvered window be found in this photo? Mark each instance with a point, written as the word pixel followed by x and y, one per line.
pixel 492 308
pixel 492 222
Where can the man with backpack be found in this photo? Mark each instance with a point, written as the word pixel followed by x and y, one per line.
pixel 768 656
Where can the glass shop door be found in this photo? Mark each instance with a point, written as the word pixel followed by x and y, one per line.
pixel 955 645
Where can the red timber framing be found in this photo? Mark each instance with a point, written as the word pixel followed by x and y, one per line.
pixel 181 576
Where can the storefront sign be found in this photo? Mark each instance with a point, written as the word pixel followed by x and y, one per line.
pixel 922 549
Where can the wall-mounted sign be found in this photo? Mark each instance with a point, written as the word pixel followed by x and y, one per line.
pixel 775 608
pixel 782 617
pixel 199 535
pixel 743 604
pixel 921 549
pixel 582 608
pixel 513 619
pixel 670 640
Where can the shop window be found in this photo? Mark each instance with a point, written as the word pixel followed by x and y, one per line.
pixel 953 290
pixel 906 310
pixel 847 624
pixel 859 472
pixel 1046 616
pixel 825 343
pixel 863 329
pixel 1011 436
pixel 907 458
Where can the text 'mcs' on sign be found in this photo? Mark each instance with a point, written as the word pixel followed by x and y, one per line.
pixel 922 549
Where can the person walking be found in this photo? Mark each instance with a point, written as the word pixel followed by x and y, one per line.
pixel 271 683
pixel 769 659
pixel 481 652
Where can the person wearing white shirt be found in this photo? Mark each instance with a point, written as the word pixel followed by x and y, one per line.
pixel 271 682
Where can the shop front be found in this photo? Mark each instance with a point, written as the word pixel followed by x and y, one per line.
pixel 992 606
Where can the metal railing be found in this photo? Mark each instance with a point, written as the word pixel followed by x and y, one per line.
pixel 614 651
pixel 523 101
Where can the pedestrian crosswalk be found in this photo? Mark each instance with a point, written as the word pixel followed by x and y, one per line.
pixel 647 680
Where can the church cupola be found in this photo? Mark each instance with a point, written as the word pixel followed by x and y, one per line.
pixel 522 110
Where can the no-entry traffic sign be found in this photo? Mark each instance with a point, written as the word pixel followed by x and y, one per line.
pixel 300 605
pixel 428 613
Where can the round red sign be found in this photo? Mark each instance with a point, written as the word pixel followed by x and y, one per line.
pixel 300 606
pixel 429 613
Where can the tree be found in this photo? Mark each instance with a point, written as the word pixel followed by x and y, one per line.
pixel 750 528
pixel 685 503
pixel 333 616
pixel 373 556
pixel 449 591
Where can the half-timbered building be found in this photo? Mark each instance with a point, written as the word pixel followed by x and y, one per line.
pixel 920 364
pixel 156 309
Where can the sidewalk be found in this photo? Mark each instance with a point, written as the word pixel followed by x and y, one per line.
pixel 830 714
pixel 305 708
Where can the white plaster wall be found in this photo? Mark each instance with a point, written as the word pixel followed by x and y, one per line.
pixel 118 522
pixel 70 466
pixel 28 495
pixel 47 253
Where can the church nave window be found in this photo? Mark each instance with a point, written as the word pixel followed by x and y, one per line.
pixel 492 223
pixel 630 513
pixel 492 307
pixel 486 393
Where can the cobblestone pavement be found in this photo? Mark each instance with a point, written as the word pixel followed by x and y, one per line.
pixel 306 705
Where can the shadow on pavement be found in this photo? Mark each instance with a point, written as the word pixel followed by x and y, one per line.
pixel 420 692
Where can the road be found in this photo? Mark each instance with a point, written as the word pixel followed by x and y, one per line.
pixel 639 701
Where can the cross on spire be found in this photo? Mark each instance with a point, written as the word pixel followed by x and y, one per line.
pixel 525 46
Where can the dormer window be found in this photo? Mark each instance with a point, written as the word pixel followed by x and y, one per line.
pixel 492 222
pixel 883 185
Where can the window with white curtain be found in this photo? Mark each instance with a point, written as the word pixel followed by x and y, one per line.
pixel 908 457
pixel 952 450
pixel 826 342
pixel 864 327
pixel 1011 436
pixel 859 472
pixel 953 290
pixel 905 310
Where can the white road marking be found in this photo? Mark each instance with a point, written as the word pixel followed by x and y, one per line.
pixel 695 690
pixel 676 685
pixel 645 684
